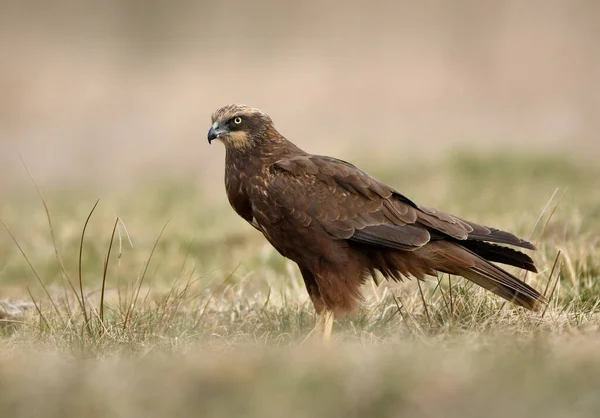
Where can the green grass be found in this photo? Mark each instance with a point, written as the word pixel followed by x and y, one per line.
pixel 205 318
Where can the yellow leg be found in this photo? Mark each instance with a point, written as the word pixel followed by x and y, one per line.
pixel 319 325
pixel 320 319
pixel 328 325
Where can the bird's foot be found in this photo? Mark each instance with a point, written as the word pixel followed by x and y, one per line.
pixel 324 325
pixel 328 326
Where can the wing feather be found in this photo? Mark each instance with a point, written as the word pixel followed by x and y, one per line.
pixel 350 204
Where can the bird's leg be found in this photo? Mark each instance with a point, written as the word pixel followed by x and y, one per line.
pixel 320 319
pixel 319 325
pixel 328 325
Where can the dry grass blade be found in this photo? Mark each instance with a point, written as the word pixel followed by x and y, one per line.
pixel 549 281
pixel 126 234
pixel 52 235
pixel 185 257
pixel 35 273
pixel 439 286
pixel 39 310
pixel 140 281
pixel 551 293
pixel 526 273
pixel 174 296
pixel 552 272
pixel 537 243
pixel 268 298
pixel 12 321
pixel 80 263
pixel 450 297
pixel 105 270
pixel 398 298
pixel 398 311
pixel 424 303
pixel 213 294
pixel 542 214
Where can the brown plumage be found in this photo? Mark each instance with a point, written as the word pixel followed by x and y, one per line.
pixel 340 225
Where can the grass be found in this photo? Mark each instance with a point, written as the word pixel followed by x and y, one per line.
pixel 173 306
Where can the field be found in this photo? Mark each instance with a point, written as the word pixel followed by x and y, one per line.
pixel 129 288
pixel 194 314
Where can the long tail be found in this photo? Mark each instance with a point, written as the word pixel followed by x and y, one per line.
pixel 500 254
pixel 454 258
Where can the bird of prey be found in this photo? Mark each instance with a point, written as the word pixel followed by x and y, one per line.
pixel 341 226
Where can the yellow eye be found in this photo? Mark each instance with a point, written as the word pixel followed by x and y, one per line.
pixel 237 120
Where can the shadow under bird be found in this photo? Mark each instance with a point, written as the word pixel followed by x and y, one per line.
pixel 341 226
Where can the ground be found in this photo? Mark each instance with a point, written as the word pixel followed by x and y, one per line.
pixel 195 314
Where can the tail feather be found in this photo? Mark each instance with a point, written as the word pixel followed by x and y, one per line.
pixel 500 237
pixel 453 258
pixel 500 254
pixel 504 285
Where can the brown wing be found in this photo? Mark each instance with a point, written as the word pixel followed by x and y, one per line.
pixel 347 203
pixel 350 204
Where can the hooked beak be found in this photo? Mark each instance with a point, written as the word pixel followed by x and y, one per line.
pixel 214 132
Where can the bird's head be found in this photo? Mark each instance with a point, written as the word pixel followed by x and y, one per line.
pixel 239 126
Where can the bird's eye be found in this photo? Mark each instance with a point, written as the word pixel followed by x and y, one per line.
pixel 237 120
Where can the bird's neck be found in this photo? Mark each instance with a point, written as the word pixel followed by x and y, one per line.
pixel 260 157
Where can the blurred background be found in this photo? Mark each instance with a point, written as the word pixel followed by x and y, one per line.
pixel 486 109
pixel 108 92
